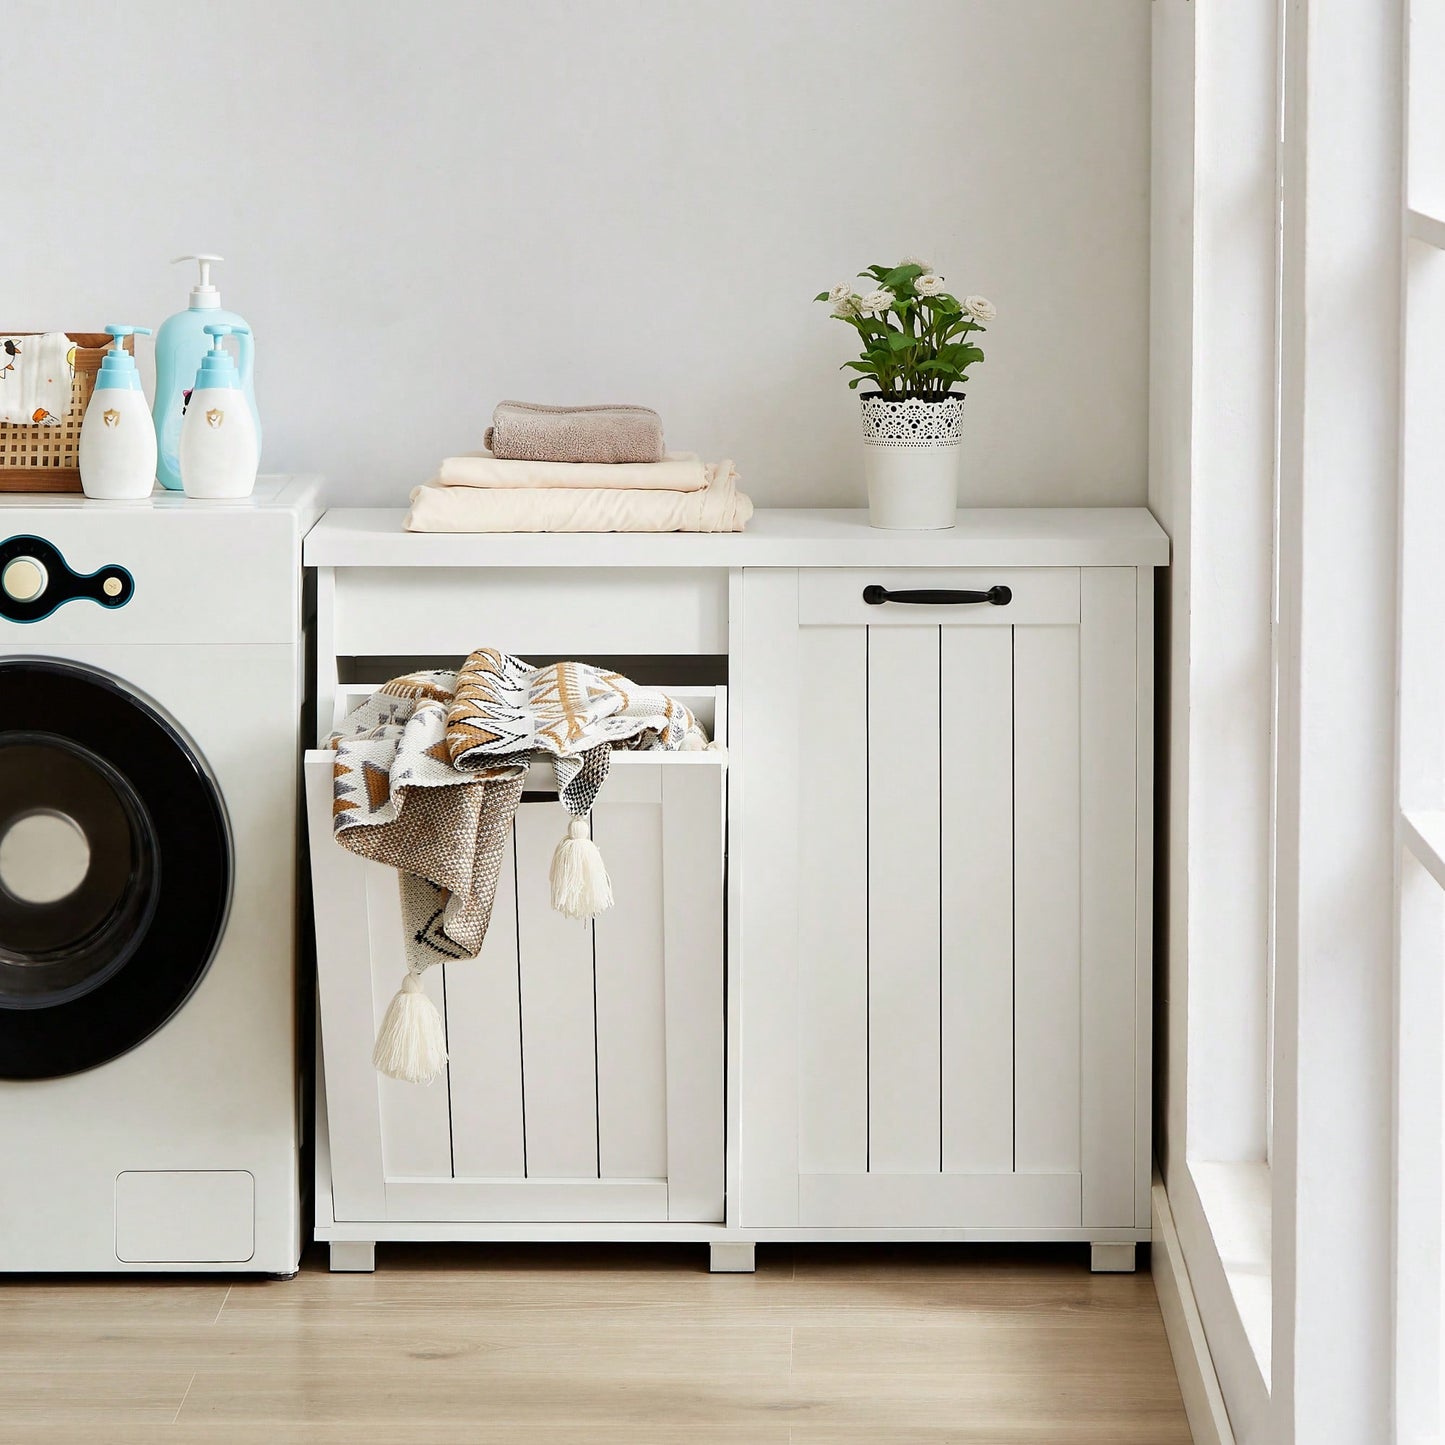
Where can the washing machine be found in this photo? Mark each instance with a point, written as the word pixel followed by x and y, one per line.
pixel 152 676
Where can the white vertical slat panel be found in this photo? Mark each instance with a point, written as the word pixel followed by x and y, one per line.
pixel 338 882
pixel 765 745
pixel 904 1018
pixel 484 1036
pixel 833 904
pixel 559 1060
pixel 631 1052
pixel 977 916
pixel 733 926
pixel 692 863
pixel 1143 895
pixel 1107 876
pixel 416 1138
pixel 1046 899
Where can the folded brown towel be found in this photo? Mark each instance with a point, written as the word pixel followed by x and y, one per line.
pixel 525 431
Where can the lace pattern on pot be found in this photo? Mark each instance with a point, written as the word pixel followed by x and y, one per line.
pixel 912 423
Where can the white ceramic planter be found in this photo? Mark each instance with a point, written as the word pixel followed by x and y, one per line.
pixel 910 458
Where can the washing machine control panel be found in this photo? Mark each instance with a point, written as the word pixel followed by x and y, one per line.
pixel 35 579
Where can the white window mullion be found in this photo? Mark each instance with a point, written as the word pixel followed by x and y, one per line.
pixel 1337 836
pixel 1419 1172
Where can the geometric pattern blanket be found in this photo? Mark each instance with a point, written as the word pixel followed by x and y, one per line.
pixel 429 770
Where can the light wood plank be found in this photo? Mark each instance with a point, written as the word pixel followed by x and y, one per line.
pixel 904 1079
pixel 619 1346
pixel 977 914
pixel 833 905
pixel 692 870
pixel 631 1052
pixel 1108 779
pixel 631 1344
pixel 559 1061
pixel 1046 899
pixel 484 1032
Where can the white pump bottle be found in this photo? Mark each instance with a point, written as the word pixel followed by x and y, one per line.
pixel 117 439
pixel 218 450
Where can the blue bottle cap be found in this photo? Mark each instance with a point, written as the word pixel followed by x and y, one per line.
pixel 217 366
pixel 117 366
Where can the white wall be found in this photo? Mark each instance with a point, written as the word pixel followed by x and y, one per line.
pixel 426 208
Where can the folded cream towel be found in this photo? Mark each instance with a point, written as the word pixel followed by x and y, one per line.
pixel 526 431
pixel 35 377
pixel 676 472
pixel 720 507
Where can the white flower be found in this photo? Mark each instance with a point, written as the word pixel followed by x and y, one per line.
pixel 929 284
pixel 876 302
pixel 842 289
pixel 980 308
pixel 846 305
pixel 916 261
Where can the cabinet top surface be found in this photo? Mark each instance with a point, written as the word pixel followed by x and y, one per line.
pixel 776 537
pixel 298 494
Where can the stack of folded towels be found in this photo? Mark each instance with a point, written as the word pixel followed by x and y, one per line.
pixel 578 469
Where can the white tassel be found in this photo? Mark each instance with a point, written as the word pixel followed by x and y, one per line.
pixel 412 1044
pixel 580 885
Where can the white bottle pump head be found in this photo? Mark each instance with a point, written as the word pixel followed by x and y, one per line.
pixel 204 297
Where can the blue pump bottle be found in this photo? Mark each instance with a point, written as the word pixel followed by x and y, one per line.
pixel 181 346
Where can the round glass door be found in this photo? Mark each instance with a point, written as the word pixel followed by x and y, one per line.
pixel 115 868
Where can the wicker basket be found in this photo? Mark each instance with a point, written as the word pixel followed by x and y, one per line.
pixel 37 458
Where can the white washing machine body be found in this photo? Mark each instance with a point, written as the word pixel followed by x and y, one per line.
pixel 149 746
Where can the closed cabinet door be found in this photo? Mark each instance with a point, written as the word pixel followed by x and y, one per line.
pixel 953 1022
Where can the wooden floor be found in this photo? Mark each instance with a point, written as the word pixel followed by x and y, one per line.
pixel 615 1346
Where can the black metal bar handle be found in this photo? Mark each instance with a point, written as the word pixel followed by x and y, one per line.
pixel 876 596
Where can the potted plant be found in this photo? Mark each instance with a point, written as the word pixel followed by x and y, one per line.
pixel 917 347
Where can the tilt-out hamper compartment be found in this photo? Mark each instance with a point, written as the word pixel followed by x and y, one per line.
pixel 585 1075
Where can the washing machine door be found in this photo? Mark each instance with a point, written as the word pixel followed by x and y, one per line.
pixel 115 868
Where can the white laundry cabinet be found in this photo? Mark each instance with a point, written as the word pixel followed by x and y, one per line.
pixel 945 823
pixel 881 968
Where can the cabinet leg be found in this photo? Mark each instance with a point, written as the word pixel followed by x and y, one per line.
pixel 732 1256
pixel 1111 1258
pixel 353 1256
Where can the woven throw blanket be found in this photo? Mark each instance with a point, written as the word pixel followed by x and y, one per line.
pixel 427 778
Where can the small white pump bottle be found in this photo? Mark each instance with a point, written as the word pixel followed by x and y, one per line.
pixel 117 437
pixel 218 452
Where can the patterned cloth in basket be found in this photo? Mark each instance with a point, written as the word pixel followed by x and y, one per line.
pixel 427 778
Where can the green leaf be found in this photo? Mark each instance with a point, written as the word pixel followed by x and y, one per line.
pixel 821 296
pixel 899 275
pixel 857 366
pixel 899 341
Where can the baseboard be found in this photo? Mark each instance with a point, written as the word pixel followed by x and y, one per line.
pixel 1203 1399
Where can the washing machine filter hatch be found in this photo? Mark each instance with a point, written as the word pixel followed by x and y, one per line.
pixel 115 868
